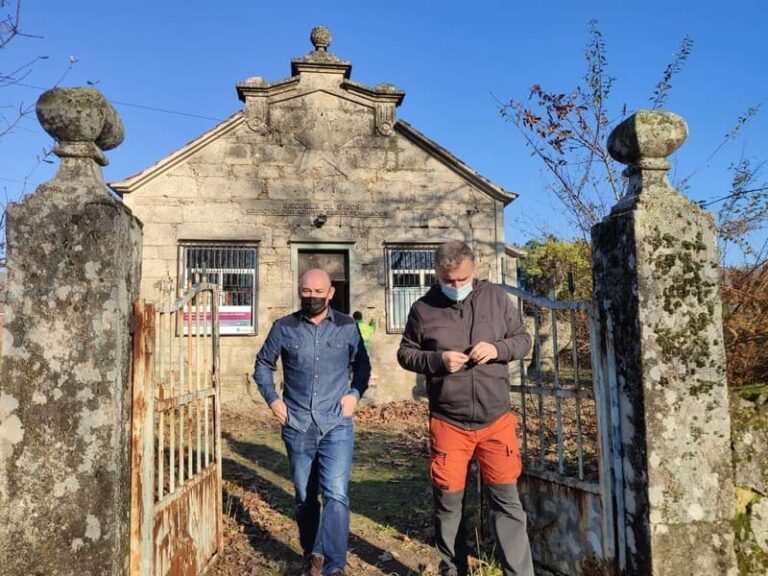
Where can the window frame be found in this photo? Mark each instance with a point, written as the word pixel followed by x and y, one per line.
pixel 184 270
pixel 406 295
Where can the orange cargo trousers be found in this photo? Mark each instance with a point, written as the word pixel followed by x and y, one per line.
pixel 496 450
pixel 494 447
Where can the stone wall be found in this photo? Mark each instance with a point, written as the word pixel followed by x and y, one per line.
pixel 656 271
pixel 749 436
pixel 74 254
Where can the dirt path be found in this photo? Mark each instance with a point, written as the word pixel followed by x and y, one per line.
pixel 389 494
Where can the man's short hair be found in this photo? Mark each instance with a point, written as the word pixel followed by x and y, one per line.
pixel 451 254
pixel 357 315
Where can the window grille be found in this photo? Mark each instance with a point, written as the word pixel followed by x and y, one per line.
pixel 410 273
pixel 234 268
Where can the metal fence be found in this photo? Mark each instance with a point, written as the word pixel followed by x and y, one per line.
pixel 554 390
pixel 176 524
pixel 565 393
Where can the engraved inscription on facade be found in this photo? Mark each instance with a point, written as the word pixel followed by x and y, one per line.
pixel 304 208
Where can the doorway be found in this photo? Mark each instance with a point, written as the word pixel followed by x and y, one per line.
pixel 336 263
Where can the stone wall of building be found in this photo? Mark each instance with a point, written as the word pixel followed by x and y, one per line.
pixel 315 144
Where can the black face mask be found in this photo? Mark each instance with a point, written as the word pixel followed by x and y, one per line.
pixel 313 305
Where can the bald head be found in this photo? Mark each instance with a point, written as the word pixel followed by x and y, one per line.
pixel 316 292
pixel 314 279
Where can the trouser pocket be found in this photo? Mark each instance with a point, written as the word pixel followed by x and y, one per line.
pixel 438 461
pixel 498 454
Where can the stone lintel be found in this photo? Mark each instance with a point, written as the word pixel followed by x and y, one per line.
pixel 381 93
pixel 257 87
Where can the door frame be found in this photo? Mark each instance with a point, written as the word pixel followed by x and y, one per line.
pixel 297 247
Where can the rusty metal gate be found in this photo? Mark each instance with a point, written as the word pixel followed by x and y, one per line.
pixel 566 396
pixel 176 523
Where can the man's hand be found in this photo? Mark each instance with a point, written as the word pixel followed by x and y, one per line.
pixel 280 411
pixel 454 361
pixel 348 405
pixel 483 352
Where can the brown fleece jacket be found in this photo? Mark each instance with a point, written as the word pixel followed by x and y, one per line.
pixel 476 395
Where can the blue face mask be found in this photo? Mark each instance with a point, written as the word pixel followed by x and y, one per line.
pixel 457 294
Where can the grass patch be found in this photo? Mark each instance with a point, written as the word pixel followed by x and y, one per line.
pixel 390 485
pixel 751 392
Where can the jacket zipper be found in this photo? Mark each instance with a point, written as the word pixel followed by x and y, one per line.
pixel 468 340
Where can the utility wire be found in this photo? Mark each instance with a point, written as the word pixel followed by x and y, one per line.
pixel 188 115
pixel 704 204
pixel 140 106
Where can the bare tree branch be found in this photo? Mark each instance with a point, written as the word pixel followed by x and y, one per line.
pixel 567 132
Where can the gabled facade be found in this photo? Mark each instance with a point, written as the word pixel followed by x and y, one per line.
pixel 316 170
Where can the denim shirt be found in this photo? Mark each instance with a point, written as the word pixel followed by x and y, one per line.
pixel 317 360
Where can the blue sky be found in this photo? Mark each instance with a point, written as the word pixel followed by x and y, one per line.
pixel 452 58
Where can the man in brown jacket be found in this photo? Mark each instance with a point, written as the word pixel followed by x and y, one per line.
pixel 461 335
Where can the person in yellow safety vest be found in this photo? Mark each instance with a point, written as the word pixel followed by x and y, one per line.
pixel 366 328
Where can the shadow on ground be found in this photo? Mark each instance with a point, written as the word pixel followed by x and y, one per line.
pixel 272 518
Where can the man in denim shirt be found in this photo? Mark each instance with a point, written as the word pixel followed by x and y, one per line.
pixel 319 348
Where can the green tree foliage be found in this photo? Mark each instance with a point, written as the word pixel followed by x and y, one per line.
pixel 549 263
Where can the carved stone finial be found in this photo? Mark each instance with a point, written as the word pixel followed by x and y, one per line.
pixel 320 38
pixel 645 139
pixel 82 121
pixel 643 142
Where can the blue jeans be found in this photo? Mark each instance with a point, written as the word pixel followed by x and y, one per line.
pixel 321 464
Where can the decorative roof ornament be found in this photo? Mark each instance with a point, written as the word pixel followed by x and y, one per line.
pixel 320 59
pixel 321 38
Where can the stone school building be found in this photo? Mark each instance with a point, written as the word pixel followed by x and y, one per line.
pixel 315 171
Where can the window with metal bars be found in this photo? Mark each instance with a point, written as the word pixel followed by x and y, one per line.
pixel 234 267
pixel 410 273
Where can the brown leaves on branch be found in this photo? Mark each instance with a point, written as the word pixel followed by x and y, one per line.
pixel 566 131
pixel 745 324
pixel 558 109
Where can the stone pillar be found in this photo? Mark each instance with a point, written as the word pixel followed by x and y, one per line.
pixel 73 259
pixel 655 264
